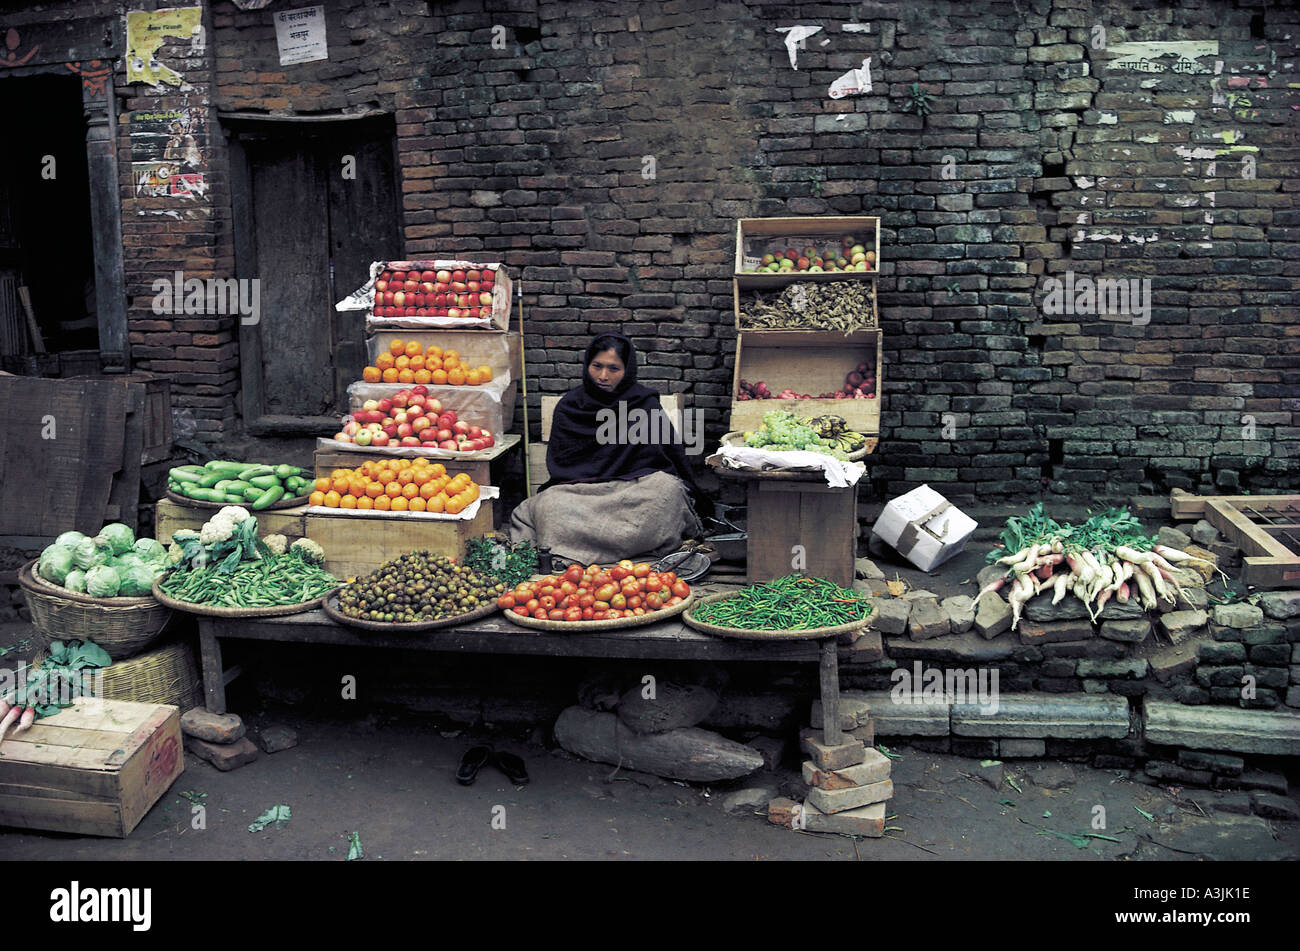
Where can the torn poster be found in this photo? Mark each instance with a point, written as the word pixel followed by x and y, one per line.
pixel 300 34
pixel 853 83
pixel 146 31
pixel 794 37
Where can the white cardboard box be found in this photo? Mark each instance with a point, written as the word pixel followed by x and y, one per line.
pixel 924 527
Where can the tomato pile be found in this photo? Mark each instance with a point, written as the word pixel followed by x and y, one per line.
pixel 596 594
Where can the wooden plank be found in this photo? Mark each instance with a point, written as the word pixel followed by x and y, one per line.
pixel 41 734
pixel 214 681
pixel 152 766
pixel 171 517
pixel 62 815
pixel 125 492
pixel 1244 533
pixel 90 784
pixel 357 545
pixel 98 713
pixel 821 520
pixel 1265 572
pixel 1185 506
pixel 79 39
pixel 829 678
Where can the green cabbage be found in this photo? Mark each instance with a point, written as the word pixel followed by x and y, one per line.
pixel 151 550
pixel 55 564
pixel 116 536
pixel 87 554
pixel 69 539
pixel 123 562
pixel 137 581
pixel 75 581
pixel 102 582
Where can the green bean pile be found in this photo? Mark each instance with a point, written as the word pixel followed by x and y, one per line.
pixel 792 603
pixel 273 581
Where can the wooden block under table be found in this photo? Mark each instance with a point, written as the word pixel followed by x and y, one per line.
pixel 356 545
pixel 95 768
pixel 784 513
pixel 172 516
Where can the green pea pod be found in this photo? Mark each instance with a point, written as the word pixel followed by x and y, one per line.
pixel 264 481
pixel 181 475
pixel 271 495
pixel 250 472
pixel 212 478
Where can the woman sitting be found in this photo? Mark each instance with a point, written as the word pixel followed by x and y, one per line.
pixel 619 486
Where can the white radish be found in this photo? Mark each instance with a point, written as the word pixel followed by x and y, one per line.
pixel 1044 572
pixel 1122 595
pixel 1101 601
pixel 1019 594
pixel 1027 554
pixel 26 721
pixel 8 720
pixel 1175 556
pixel 1133 555
pixel 992 586
pixel 1158 583
pixel 1057 547
pixel 1062 587
pixel 1147 591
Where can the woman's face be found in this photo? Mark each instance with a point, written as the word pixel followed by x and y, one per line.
pixel 606 369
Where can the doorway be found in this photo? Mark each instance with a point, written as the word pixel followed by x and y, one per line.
pixel 45 225
pixel 314 204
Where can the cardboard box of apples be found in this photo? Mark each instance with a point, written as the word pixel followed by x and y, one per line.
pixel 412 419
pixel 430 294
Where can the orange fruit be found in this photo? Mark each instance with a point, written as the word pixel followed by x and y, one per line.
pixel 405 376
pixel 340 485
pixel 486 373
pixel 405 476
pixel 417 504
pixel 357 487
pixel 384 474
pixel 453 506
pixel 410 490
pixel 450 355
pixel 402 362
pixel 400 504
pixel 449 362
pixel 413 347
pixel 436 504
pixel 439 469
pixel 322 484
pixel 385 361
pixel 456 377
pixel 382 503
pixel 417 362
pixel 393 489
pixel 372 374
pixel 365 502
pixel 331 499
pixel 348 501
pixel 439 377
pixel 434 352
pixel 396 346
pixel 374 490
pixel 427 491
pixel 472 491
pixel 316 498
pixel 339 474
pixel 390 375
pixel 421 475
pixel 433 363
pixel 419 462
pixel 473 378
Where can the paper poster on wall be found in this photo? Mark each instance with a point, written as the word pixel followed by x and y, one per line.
pixel 166 159
pixel 300 34
pixel 166 180
pixel 147 31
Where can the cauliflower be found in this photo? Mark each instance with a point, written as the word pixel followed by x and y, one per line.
pixel 222 525
pixel 309 550
pixel 276 543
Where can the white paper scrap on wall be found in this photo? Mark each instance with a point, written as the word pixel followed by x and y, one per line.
pixel 794 37
pixel 300 35
pixel 853 83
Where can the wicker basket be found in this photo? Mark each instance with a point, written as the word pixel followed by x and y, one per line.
pixel 123 630
pixel 167 674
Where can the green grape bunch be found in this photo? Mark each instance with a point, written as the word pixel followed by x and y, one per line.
pixel 783 432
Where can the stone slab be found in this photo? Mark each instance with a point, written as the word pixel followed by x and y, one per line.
pixel 892 615
pixel 961 649
pixel 1180 626
pixel 1019 748
pixel 1034 716
pixel 865 821
pixel 831 757
pixel 831 801
pixel 1130 632
pixel 212 727
pixel 1041 608
pixel 927 620
pixel 891 718
pixel 1271 733
pixel 854 712
pixel 960 610
pixel 875 768
pixel 1240 616
pixel 992 615
pixel 1035 633
pixel 224 756
pixel 1280 605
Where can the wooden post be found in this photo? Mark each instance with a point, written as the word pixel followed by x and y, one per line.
pixel 99 106
pixel 830 683
pixel 214 680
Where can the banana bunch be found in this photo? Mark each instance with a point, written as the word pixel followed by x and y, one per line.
pixel 835 429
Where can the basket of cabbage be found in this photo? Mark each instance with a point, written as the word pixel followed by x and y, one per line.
pixel 98 588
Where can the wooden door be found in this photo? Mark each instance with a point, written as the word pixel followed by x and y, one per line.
pixel 315 203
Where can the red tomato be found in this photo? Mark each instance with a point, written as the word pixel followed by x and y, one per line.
pixel 672 601
pixel 639 612
pixel 614 615
pixel 641 571
pixel 606 591
pixel 548 580
pixel 654 583
pixel 602 578
pixel 506 601
pixel 634 602
pixel 547 602
pixel 539 614
pixel 573 614
pixel 599 615
pixel 668 577
pixel 567 587
pixel 625 563
pixel 532 605
pixel 522 611
pixel 618 572
pixel 681 590
pixel 556 615
pixel 654 601
pixel 586 600
pixel 618 602
pixel 574 574
pixel 588 614
pixel 600 606
pixel 546 589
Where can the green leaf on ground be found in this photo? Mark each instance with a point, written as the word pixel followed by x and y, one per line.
pixel 1047 813
pixel 1146 815
pixel 884 749
pixel 279 815
pixel 354 846
pixel 1007 802
pixel 1014 785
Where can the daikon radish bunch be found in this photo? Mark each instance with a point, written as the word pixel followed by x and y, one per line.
pixel 1107 556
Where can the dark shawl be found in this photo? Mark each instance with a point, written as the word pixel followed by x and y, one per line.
pixel 574 455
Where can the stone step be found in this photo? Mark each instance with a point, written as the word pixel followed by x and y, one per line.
pixel 865 820
pixel 1036 716
pixel 929 718
pixel 1269 732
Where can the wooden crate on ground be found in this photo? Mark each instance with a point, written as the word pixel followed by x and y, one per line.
pixel 787 517
pixel 356 545
pixel 172 516
pixel 809 361
pixel 95 768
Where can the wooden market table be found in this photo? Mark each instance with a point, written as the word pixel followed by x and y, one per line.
pixel 668 640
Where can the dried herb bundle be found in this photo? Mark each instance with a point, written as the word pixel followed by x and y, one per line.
pixel 845 306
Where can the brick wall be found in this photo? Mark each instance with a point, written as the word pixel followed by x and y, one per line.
pixel 605 149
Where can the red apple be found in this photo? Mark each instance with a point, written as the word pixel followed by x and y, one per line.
pixel 381 285
pixel 416 399
pixel 413 413
pixel 440 300
pixel 447 444
pixel 379 439
pixel 399 299
pixel 342 437
pixel 443 276
pixel 385 404
pixel 473 275
pixel 411 286
pixel 397 276
pixel 453 312
pixel 475 432
pixel 421 423
pixel 460 427
pixel 444 434
pixel 427 276
pixel 351 427
pixel 457 276
pixel 429 437
pixel 488 441
pixel 446 418
pixel 411 441
pixel 433 407
pixel 404 429
pixel 401 398
pixel 391 430
pixel 485 299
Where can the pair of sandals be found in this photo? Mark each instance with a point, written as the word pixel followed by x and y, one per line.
pixel 479 756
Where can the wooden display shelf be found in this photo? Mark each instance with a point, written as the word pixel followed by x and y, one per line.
pixel 815 362
pixel 758 236
pixel 356 545
pixel 1265 527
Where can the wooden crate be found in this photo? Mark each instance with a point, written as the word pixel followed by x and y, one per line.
pixel 813 361
pixel 170 517
pixel 871 322
pixel 356 545
pixel 785 513
pixel 502 296
pixel 156 409
pixel 754 237
pixel 476 465
pixel 94 768
pixel 502 352
pixel 1265 527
